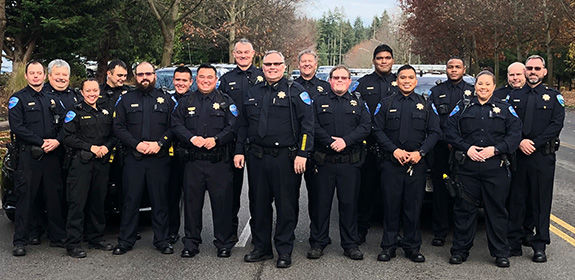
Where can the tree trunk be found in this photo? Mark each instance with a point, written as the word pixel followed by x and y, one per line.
pixel 22 53
pixel 2 26
pixel 232 35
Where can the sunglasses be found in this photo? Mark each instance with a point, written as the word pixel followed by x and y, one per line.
pixel 343 78
pixel 268 64
pixel 536 68
pixel 144 74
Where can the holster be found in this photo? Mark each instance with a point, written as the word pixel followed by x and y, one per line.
pixel 552 146
pixel 12 154
pixel 319 158
pixel 36 152
pixel 85 156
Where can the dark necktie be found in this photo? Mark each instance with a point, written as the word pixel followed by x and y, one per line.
pixel 339 112
pixel 263 124
pixel 404 121
pixel 529 111
pixel 147 111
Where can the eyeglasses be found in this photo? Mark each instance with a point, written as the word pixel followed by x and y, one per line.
pixel 343 78
pixel 537 68
pixel 268 64
pixel 145 74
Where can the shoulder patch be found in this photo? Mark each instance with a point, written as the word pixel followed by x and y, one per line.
pixel 377 109
pixel 69 116
pixel 218 84
pixel 12 102
pixel 354 86
pixel 305 98
pixel 559 98
pixel 429 93
pixel 234 110
pixel 434 109
pixel 118 101
pixel 455 110
pixel 512 111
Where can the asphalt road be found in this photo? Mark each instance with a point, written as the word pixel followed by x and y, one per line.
pixel 144 262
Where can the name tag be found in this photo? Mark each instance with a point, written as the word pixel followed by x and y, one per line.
pixel 393 110
pixel 369 88
pixel 191 108
pixel 325 106
pixel 135 105
pixel 31 103
pixel 516 100
pixel 232 83
pixel 86 117
pixel 442 96
pixel 251 99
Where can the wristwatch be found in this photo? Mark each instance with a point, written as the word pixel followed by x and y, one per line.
pixel 160 143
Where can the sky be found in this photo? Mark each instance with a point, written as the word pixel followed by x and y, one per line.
pixel 365 9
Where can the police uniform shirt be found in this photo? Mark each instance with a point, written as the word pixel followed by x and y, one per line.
pixel 374 87
pixel 109 95
pixel 31 116
pixel 279 133
pixel 69 97
pixel 211 115
pixel 494 123
pixel 548 112
pixel 446 95
pixel 86 126
pixel 137 107
pixel 340 116
pixel 502 92
pixel 313 86
pixel 237 82
pixel 420 120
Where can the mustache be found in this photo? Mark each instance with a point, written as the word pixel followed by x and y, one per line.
pixel 61 80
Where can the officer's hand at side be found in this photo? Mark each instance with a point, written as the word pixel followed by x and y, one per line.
pixel 299 164
pixel 239 161
pixel 474 153
pixel 527 146
pixel 153 148
pixel 413 157
pixel 487 152
pixel 400 155
pixel 142 147
pixel 209 143
pixel 198 141
pixel 338 144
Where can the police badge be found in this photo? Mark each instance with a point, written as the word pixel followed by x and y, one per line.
pixel 160 100
pixel 496 110
pixel 319 88
pixel 394 83
pixel 546 97
pixel 281 95
pixel 353 103
pixel 467 93
pixel 419 106
pixel 216 106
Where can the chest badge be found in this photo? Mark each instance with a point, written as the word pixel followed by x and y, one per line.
pixel 546 97
pixel 52 102
pixel 319 89
pixel 467 92
pixel 105 112
pixel 394 84
pixel 160 100
pixel 496 110
pixel 419 106
pixel 281 95
pixel 260 79
pixel 124 91
pixel 353 103
pixel 216 106
pixel 191 110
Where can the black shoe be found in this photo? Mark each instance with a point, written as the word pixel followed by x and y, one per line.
pixel 173 238
pixel 314 253
pixel 138 236
pixel 386 255
pixel 539 256
pixel 224 253
pixel 166 248
pixel 502 262
pixel 101 245
pixel 186 253
pixel 284 261
pixel 438 242
pixel 121 249
pixel 34 241
pixel 353 253
pixel 58 243
pixel 456 259
pixel 77 252
pixel 19 251
pixel 257 255
pixel 415 256
pixel 516 252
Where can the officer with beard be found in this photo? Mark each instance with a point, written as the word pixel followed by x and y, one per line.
pixel 142 123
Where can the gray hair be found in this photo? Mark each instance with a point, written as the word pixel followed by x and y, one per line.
pixel 486 72
pixel 274 51
pixel 58 63
pixel 535 57
pixel 243 41
pixel 517 63
pixel 338 67
pixel 306 52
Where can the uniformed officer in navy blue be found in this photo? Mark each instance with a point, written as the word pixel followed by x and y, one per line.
pixel 114 86
pixel 142 122
pixel 542 111
pixel 236 84
pixel 277 121
pixel 515 80
pixel 59 83
pixel 88 131
pixel 36 120
pixel 373 87
pixel 204 121
pixel 406 128
pixel 482 133
pixel 342 123
pixel 182 82
pixel 445 96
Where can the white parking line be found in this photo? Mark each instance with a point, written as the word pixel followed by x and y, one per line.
pixel 246 233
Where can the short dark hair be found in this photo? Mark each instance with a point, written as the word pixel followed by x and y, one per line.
pixel 405 67
pixel 382 48
pixel 338 67
pixel 183 69
pixel 87 80
pixel 207 66
pixel 116 62
pixel 457 58
pixel 34 62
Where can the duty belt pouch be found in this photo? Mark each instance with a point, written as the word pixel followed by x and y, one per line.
pixel 36 152
pixel 257 151
pixel 460 157
pixel 319 158
pixel 292 152
pixel 355 155
pixel 137 155
pixel 85 156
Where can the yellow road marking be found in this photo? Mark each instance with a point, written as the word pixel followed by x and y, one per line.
pixel 562 235
pixel 563 224
pixel 568 145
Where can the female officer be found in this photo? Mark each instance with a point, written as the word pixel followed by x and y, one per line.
pixel 482 132
pixel 87 130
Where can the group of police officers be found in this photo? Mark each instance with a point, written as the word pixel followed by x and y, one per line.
pixel 371 142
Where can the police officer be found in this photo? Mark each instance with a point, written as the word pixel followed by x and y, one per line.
pixel 342 124
pixel 236 84
pixel 114 86
pixel 373 87
pixel 406 128
pixel 515 80
pixel 278 124
pixel 482 132
pixel 36 120
pixel 182 81
pixel 203 121
pixel 88 131
pixel 142 123
pixel 542 111
pixel 445 96
pixel 59 83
